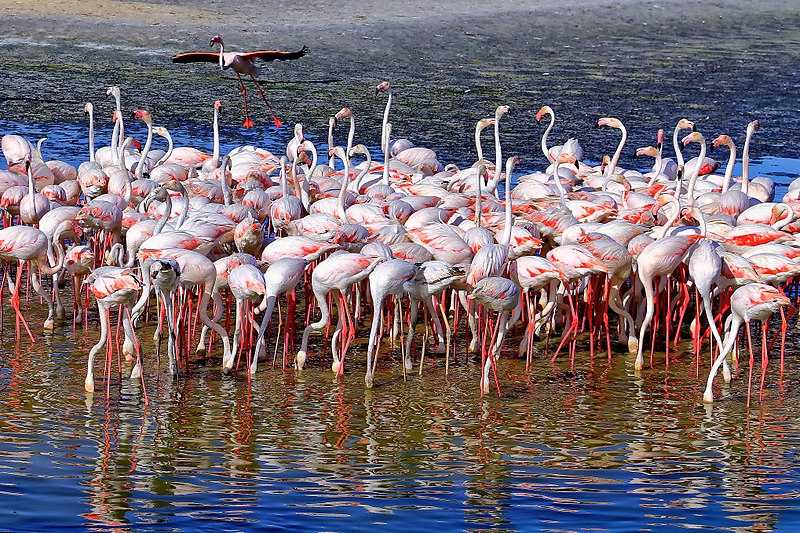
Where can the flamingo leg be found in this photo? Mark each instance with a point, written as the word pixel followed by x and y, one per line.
pixel 752 362
pixel 248 122
pixel 275 119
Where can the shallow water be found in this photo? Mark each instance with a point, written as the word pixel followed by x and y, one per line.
pixel 564 448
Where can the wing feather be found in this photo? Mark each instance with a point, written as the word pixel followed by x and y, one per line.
pixel 275 55
pixel 196 57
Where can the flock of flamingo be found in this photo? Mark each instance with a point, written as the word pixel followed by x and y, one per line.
pixel 192 241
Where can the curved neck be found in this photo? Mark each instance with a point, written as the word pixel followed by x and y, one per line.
pixel 31 185
pixel 729 167
pixel 506 239
pixel 185 212
pixel 121 155
pixel 284 185
pixel 561 194
pixel 677 147
pixel 221 55
pixel 385 178
pixel 356 185
pixel 491 187
pixel 746 161
pixel 546 133
pixel 351 134
pixel 478 147
pixel 163 222
pixel 170 146
pixel 614 160
pixel 673 217
pixel 331 156
pixel 479 180
pixel 695 174
pixel 343 189
pixel 304 197
pixel 91 136
pixel 226 191
pixel 145 151
pixel 384 132
pixel 215 152
pixel 114 139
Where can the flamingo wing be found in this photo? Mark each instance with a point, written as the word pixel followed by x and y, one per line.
pixel 272 55
pixel 196 57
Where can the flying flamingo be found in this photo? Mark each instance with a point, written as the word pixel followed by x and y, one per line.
pixel 242 63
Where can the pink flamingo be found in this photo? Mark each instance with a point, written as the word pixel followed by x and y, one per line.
pixel 755 301
pixel 242 63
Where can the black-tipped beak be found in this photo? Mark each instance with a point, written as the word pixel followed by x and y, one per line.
pixel 694 127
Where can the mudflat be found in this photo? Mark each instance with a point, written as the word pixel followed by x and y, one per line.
pixel 720 63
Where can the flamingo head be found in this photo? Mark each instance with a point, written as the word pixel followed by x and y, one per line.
pixel 217 39
pixel 136 144
pixel 298 131
pixel 383 87
pixel 512 162
pixel 485 123
pixel 344 113
pixel 544 110
pixel 660 136
pixel 685 124
pixel 217 105
pixel 500 111
pixel 650 151
pixel 722 140
pixel 611 122
pixel 144 116
pixel 113 91
pixel 694 137
pixel 88 108
pixel 754 126
pixel 160 130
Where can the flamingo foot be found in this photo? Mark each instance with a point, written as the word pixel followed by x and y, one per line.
pixel 88 384
pixel 639 364
pixel 300 360
pixel 708 396
pixel 248 123
pixel 633 345
pixel 368 381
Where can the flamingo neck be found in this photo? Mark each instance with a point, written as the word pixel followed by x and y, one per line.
pixel 546 133
pixel 676 146
pixel 304 196
pixel 363 174
pixel 226 191
pixel 91 136
pixel 491 187
pixel 215 152
pixel 695 174
pixel 114 139
pixel 385 178
pixel 384 132
pixel 673 217
pixel 31 185
pixel 557 179
pixel 478 147
pixel 163 222
pixel 614 160
pixel 343 189
pixel 331 156
pixel 351 134
pixel 729 167
pixel 506 239
pixel 170 146
pixel 221 55
pixel 185 212
pixel 145 151
pixel 746 161
pixel 478 213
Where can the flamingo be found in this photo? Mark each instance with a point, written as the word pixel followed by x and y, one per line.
pixel 242 63
pixel 755 301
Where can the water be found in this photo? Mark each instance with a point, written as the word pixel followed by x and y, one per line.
pixel 587 447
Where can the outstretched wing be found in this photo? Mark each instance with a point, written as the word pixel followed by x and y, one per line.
pixel 275 55
pixel 196 57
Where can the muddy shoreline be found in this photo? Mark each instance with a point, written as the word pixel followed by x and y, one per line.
pixel 450 63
